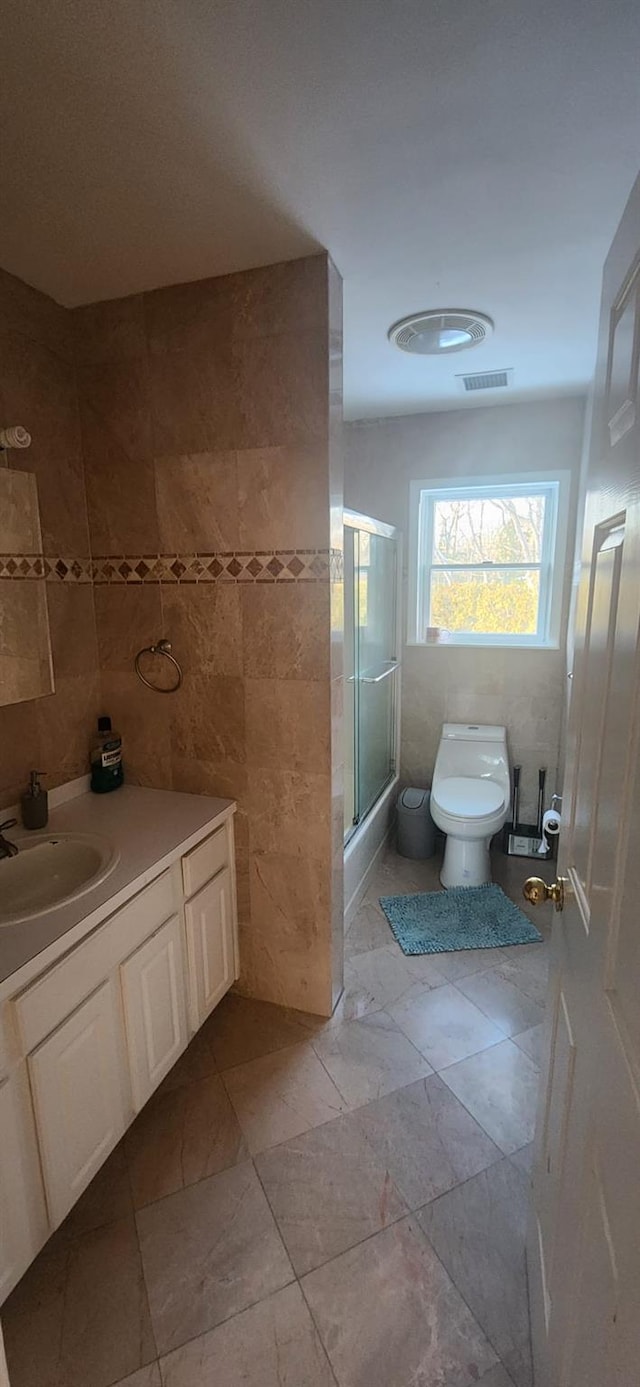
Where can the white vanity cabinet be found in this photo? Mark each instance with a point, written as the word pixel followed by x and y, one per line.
pixel 79 1091
pixel 211 940
pixel 97 1031
pixel 153 989
pixel 23 1219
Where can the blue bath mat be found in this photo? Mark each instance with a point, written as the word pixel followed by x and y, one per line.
pixel 465 917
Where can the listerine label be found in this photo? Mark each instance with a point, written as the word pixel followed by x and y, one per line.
pixel 111 754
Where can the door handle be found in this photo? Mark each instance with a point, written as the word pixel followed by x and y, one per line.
pixel 536 891
pixel 377 679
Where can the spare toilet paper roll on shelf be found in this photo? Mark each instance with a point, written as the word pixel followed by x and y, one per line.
pixel 551 824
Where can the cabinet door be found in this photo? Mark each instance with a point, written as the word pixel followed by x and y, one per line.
pixel 210 936
pixel 78 1077
pixel 23 1221
pixel 153 987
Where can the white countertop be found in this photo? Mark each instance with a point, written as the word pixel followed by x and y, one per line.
pixel 149 829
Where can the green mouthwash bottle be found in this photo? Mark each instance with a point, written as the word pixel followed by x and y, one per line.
pixel 107 771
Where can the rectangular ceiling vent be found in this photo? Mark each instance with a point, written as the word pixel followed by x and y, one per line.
pixel 486 380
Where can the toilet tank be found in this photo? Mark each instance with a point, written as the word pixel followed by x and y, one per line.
pixel 473 749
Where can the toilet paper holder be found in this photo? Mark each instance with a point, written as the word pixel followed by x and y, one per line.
pixel 525 839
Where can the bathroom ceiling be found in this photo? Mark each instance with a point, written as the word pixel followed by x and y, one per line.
pixel 448 153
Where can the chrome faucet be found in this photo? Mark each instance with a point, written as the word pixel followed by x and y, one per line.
pixel 8 849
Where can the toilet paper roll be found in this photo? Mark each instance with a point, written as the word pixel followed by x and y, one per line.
pixel 551 822
pixel 14 437
pixel 551 825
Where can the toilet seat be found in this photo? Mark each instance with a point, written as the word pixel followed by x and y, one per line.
pixel 466 797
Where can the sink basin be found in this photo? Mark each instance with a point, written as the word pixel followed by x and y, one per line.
pixel 50 870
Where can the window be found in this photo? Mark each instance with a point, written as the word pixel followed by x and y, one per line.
pixel 488 564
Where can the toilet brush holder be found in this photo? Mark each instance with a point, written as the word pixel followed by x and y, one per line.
pixel 524 841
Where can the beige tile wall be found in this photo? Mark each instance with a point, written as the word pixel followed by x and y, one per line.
pixel 522 689
pixel 211 418
pixel 38 390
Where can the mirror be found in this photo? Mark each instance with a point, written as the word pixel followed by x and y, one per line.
pixel 26 670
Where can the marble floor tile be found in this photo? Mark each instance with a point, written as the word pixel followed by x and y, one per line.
pixel 197 1062
pixel 208 1252
pixel 425 1139
pixel 328 1190
pixel 106 1199
pixel 145 1377
pixel 444 1025
pixel 374 979
pixel 182 1136
pixel 370 1057
pixel 388 1313
pixel 369 929
pixel 501 1000
pixel 496 1377
pixel 523 1159
pixel 527 965
pixel 532 1042
pixel 32 1318
pixel 80 1314
pixel 478 1230
pixel 396 876
pixel 241 1029
pixel 355 1000
pixel 220 1287
pixel 273 1344
pixel 460 963
pixel 282 1095
pixel 499 1087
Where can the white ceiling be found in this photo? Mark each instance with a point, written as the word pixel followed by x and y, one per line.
pixel 448 153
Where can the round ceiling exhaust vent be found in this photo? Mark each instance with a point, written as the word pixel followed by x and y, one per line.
pixel 440 331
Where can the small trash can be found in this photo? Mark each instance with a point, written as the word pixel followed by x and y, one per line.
pixel 416 829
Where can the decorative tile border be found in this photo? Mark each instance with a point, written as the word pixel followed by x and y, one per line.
pixel 53 570
pixel 21 566
pixel 235 566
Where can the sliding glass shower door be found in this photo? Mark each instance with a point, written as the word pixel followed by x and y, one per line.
pixel 371 673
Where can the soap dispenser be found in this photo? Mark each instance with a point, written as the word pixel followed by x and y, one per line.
pixel 35 803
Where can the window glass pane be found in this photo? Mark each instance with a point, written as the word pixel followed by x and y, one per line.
pixel 491 603
pixel 497 529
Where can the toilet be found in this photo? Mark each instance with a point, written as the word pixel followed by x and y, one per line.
pixel 470 798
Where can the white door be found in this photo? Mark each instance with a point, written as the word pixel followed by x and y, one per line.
pixel 23 1221
pixel 77 1077
pixel 210 938
pixel 153 989
pixel 584 1243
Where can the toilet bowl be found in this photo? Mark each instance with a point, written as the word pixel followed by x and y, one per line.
pixel 470 798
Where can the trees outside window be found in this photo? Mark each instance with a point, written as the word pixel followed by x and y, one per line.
pixel 485 562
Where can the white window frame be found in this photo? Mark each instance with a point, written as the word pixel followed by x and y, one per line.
pixel 555 486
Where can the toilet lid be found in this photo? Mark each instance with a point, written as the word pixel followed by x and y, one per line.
pixel 468 798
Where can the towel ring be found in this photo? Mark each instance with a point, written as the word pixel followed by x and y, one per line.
pixel 161 648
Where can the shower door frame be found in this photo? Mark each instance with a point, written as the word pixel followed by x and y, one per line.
pixel 356 521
